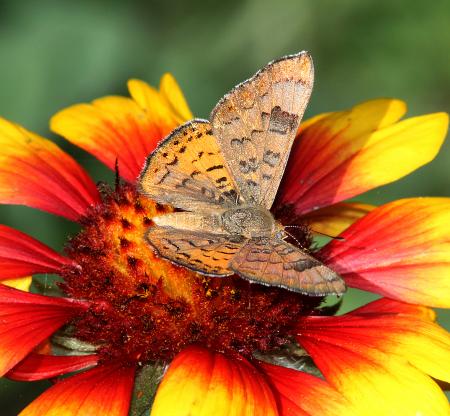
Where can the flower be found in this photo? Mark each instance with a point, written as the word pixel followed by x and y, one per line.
pixel 125 312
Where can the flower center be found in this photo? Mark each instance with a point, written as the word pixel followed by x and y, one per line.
pixel 146 308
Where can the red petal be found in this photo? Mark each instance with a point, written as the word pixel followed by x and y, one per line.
pixel 21 255
pixel 301 394
pixel 40 366
pixel 27 319
pixel 104 390
pixel 201 382
pixel 37 173
pixel 400 250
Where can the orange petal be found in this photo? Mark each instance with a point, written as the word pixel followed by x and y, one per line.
pixel 333 220
pixel 344 154
pixel 203 383
pixel 104 390
pixel 378 360
pixel 41 366
pixel 400 250
pixel 124 129
pixel 37 173
pixel 27 319
pixel 301 394
pixel 21 255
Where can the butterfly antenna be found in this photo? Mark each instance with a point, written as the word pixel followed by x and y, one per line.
pixel 337 238
pixel 290 235
pixel 318 232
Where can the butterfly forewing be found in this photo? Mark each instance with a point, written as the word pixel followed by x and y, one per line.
pixel 277 263
pixel 202 252
pixel 256 123
pixel 187 170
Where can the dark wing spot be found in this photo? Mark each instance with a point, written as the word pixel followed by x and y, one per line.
pixel 282 122
pixel 305 264
pixel 252 184
pixel 271 158
pixel 215 167
pixel 183 183
pixel 239 142
pixel 173 162
pixel 247 166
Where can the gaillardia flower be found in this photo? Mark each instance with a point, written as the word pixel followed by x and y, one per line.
pixel 131 322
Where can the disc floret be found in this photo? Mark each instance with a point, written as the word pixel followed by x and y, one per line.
pixel 150 308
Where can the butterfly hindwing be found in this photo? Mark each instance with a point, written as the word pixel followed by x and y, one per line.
pixel 205 253
pixel 187 170
pixel 275 262
pixel 256 123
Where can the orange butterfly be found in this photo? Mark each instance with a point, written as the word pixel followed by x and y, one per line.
pixel 225 174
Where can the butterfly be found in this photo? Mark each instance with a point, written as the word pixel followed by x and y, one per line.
pixel 224 175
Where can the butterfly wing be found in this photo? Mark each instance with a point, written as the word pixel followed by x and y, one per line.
pixel 188 171
pixel 205 253
pixel 275 262
pixel 256 123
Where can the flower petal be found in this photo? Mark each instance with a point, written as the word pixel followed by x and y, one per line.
pixel 21 283
pixel 27 319
pixel 104 390
pixel 37 173
pixel 389 306
pixel 377 384
pixel 124 129
pixel 40 366
pixel 400 250
pixel 21 255
pixel 171 91
pixel 334 219
pixel 407 331
pixel 301 394
pixel 202 383
pixel 411 336
pixel 347 153
pixel 378 360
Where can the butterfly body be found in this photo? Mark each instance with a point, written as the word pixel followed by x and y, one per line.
pixel 224 175
pixel 249 222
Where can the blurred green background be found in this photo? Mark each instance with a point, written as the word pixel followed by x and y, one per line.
pixel 54 54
